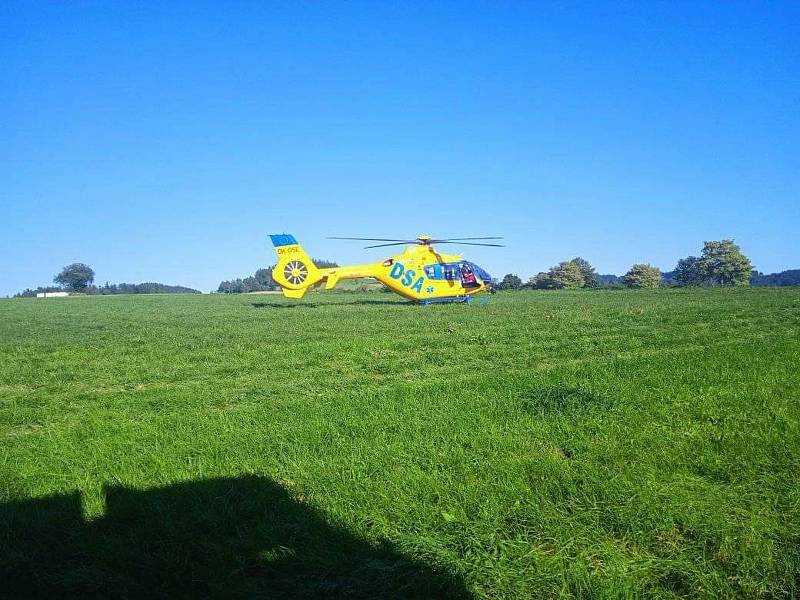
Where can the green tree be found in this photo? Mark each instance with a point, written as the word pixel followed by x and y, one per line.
pixel 587 272
pixel 75 277
pixel 540 281
pixel 724 264
pixel 264 279
pixel 575 273
pixel 510 282
pixel 689 272
pixel 643 276
pixel 250 284
pixel 565 275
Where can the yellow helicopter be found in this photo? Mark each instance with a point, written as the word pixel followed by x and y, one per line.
pixel 420 273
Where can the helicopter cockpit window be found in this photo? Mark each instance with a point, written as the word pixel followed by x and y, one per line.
pixel 433 271
pixel 451 271
pixel 446 271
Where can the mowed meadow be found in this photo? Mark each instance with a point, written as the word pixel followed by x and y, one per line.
pixel 593 444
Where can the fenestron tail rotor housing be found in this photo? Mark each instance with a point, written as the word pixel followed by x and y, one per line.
pixel 295 272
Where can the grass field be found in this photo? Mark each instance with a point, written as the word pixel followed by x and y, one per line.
pixel 595 444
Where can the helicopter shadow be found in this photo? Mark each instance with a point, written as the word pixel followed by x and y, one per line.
pixel 232 537
pixel 280 305
pixel 359 302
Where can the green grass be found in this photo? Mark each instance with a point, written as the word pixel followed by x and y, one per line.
pixel 595 444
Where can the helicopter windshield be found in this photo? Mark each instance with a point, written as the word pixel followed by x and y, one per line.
pixel 482 275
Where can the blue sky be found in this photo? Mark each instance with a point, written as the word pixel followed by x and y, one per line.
pixel 165 141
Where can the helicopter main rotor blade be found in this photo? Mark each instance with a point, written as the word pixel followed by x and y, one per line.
pixel 367 239
pixel 464 238
pixel 403 243
pixel 437 242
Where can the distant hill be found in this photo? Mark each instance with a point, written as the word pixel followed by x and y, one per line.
pixel 782 279
pixel 604 280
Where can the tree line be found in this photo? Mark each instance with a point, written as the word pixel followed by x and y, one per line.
pixel 79 278
pixel 721 263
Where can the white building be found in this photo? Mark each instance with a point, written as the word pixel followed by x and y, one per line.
pixel 52 294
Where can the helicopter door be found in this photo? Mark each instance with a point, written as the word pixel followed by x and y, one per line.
pixel 468 279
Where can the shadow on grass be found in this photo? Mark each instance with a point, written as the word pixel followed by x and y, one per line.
pixel 282 305
pixel 312 305
pixel 229 537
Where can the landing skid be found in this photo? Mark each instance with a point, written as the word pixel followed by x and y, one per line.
pixel 446 300
pixel 453 300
